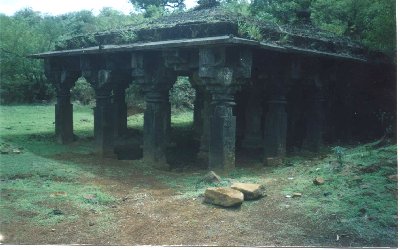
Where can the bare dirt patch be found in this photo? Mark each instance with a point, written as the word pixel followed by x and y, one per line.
pixel 148 212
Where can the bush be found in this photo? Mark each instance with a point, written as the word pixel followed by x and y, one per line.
pixel 182 94
pixel 20 90
pixel 82 92
pixel 134 96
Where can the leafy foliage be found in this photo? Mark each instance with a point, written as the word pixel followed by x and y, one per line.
pixel 82 92
pixel 282 12
pixel 21 79
pixel 27 32
pixel 371 21
pixel 182 94
pixel 156 8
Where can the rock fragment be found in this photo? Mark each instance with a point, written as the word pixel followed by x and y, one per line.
pixel 212 177
pixel 223 196
pixel 296 195
pixel 319 181
pixel 251 191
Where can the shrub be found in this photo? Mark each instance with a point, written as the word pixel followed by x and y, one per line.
pixel 182 94
pixel 82 92
pixel 20 90
pixel 134 96
pixel 339 153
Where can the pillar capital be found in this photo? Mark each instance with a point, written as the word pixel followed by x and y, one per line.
pixel 223 67
pixel 150 72
pixel 99 79
pixel 62 73
pixel 181 61
pixel 105 71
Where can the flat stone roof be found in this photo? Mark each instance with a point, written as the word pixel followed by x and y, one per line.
pixel 189 43
pixel 208 26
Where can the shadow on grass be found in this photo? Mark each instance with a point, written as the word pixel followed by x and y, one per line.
pixel 181 151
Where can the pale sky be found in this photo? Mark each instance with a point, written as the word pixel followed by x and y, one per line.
pixel 56 7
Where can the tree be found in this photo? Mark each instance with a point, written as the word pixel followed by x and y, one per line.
pixel 282 11
pixel 22 79
pixel 109 18
pixel 145 4
pixel 371 21
pixel 28 32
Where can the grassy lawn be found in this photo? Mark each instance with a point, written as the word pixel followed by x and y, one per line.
pixel 33 185
pixel 358 198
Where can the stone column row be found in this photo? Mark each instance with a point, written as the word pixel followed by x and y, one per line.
pixel 220 75
pixel 271 134
pixel 110 112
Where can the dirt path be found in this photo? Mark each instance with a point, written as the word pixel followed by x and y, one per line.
pixel 150 213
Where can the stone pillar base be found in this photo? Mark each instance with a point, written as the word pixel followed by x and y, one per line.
pixel 64 123
pixel 273 161
pixel 222 133
pixel 156 127
pixel 252 141
pixel 275 129
pixel 104 126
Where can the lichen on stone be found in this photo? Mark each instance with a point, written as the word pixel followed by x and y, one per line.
pixel 217 21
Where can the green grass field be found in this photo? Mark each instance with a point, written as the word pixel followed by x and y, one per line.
pixel 33 185
pixel 359 196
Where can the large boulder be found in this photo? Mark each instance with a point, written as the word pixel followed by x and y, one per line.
pixel 223 196
pixel 251 191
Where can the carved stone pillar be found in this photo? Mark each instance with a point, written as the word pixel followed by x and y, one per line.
pixel 222 71
pixel 197 113
pixel 275 126
pixel 222 129
pixel 64 109
pixel 314 118
pixel 253 114
pixel 101 81
pixel 120 107
pixel 205 133
pixel 156 80
pixel 63 75
pixel 156 128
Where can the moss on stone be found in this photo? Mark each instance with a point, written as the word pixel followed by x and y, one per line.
pixel 217 21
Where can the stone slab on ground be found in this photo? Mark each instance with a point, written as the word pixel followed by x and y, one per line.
pixel 223 196
pixel 251 191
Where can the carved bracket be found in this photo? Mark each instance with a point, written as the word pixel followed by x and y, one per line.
pixel 62 73
pixel 104 72
pixel 224 66
pixel 149 71
pixel 182 61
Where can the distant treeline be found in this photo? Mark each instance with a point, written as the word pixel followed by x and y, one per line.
pixel 372 22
